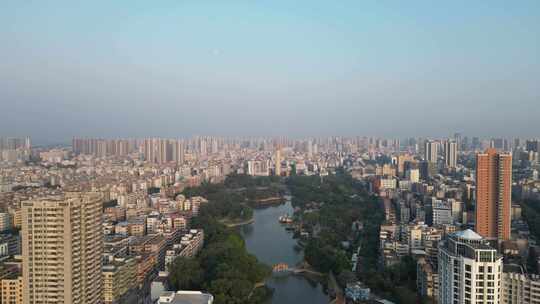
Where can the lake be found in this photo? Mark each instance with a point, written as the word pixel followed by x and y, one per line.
pixel 267 239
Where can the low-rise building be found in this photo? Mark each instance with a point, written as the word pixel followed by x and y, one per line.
pixel 356 292
pixel 427 279
pixel 518 287
pixel 119 277
pixel 12 292
pixel 190 244
pixel 145 267
pixel 5 221
pixel 185 297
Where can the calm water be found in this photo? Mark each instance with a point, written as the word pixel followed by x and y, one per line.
pixel 272 244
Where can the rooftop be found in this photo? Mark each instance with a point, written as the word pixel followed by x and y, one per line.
pixel 468 235
pixel 186 297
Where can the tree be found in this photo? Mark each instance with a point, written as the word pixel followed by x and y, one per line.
pixel 345 277
pixel 532 261
pixel 186 274
pixel 223 267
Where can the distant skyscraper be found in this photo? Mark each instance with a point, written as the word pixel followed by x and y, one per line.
pixel 203 148
pixel 150 150
pixel 532 145
pixel 278 161
pixel 450 153
pixel 27 143
pixel 458 138
pixel 62 248
pixel 162 149
pixel 310 148
pixel 179 151
pixel 476 143
pixel 493 194
pixel 431 151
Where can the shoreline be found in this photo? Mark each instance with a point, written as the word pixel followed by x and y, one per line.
pixel 238 224
pixel 308 275
pixel 268 202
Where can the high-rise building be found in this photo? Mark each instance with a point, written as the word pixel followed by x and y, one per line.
pixel 401 160
pixel 532 145
pixel 179 152
pixel 427 169
pixel 162 148
pixel 203 149
pixel 469 270
pixel 500 144
pixel 310 148
pixel 450 154
pixel 431 149
pixel 62 247
pixel 150 150
pixel 493 194
pixel 277 165
pixel 27 143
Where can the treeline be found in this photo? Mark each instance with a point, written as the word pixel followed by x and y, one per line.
pixel 234 197
pixel 531 213
pixel 224 203
pixel 255 188
pixel 397 282
pixel 235 181
pixel 223 268
pixel 346 201
pixel 336 202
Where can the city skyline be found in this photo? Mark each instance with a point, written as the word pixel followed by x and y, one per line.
pixel 133 212
pixel 497 141
pixel 221 68
pixel 277 152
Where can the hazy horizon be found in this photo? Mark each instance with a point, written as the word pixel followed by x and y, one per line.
pixel 239 68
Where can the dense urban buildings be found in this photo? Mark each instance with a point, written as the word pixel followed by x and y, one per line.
pixel 104 221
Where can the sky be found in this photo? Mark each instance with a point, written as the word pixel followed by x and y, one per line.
pixel 269 68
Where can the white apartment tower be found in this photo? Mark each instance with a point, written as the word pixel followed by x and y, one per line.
pixel 277 165
pixel 62 247
pixel 469 270
pixel 450 154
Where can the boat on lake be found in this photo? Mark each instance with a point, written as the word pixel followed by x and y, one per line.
pixel 285 219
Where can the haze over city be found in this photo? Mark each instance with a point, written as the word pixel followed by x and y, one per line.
pixel 269 152
pixel 268 68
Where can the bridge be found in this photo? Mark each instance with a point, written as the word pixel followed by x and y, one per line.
pixel 284 267
pixel 280 267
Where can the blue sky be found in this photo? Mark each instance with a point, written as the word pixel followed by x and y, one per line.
pixel 304 68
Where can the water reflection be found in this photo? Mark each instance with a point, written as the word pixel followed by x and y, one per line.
pixel 271 243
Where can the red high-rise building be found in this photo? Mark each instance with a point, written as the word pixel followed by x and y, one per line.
pixel 493 194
